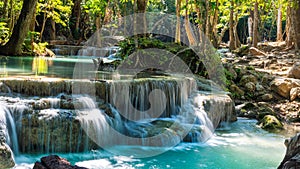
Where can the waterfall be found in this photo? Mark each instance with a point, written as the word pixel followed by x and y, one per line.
pixel 160 111
pixel 97 124
pixel 8 126
pixel 65 50
pixel 143 109
pixel 133 99
pixel 97 51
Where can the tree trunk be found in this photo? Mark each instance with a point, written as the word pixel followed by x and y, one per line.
pixel 141 9
pixel 297 25
pixel 108 13
pixel 178 24
pixel 199 17
pixel 207 20
pixel 75 18
pixel 223 31
pixel 237 42
pixel 255 25
pixel 288 27
pixel 43 26
pixel 98 24
pixel 14 45
pixel 250 28
pixel 52 30
pixel 279 23
pixel 188 29
pixel 231 33
pixel 214 38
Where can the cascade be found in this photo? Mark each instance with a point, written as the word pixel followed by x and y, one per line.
pixel 97 51
pixel 8 128
pixel 159 111
pixel 65 50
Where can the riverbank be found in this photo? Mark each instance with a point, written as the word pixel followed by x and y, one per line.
pixel 265 82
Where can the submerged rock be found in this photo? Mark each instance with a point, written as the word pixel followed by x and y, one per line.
pixel 55 162
pixel 292 157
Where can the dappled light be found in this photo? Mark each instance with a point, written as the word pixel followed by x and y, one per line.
pixel 149 84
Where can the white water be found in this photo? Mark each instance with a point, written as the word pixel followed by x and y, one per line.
pixel 7 125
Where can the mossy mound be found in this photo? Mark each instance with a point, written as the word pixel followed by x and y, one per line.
pixel 270 122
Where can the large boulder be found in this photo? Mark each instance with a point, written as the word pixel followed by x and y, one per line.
pixel 270 122
pixel 294 72
pixel 292 157
pixel 55 162
pixel 283 86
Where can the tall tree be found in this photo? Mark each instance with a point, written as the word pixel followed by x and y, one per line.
pixel 14 45
pixel 297 25
pixel 141 17
pixel 279 22
pixel 178 23
pixel 188 29
pixel 75 19
pixel 231 26
pixel 289 27
pixel 255 24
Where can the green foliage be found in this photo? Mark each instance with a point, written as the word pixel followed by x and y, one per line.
pixel 95 7
pixel 58 10
pixel 27 45
pixel 39 48
pixel 165 6
pixel 4 32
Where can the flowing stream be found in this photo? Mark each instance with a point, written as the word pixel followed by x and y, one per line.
pixel 238 145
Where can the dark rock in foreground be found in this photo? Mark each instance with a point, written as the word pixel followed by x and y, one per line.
pixel 292 156
pixel 54 162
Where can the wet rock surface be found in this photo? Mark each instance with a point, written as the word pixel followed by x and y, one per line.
pixel 292 157
pixel 6 156
pixel 55 162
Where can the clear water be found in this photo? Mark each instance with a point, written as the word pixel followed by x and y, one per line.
pixel 240 145
pixel 60 66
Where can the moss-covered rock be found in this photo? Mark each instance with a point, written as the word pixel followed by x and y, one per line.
pixel 270 122
pixel 248 78
pixel 254 110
